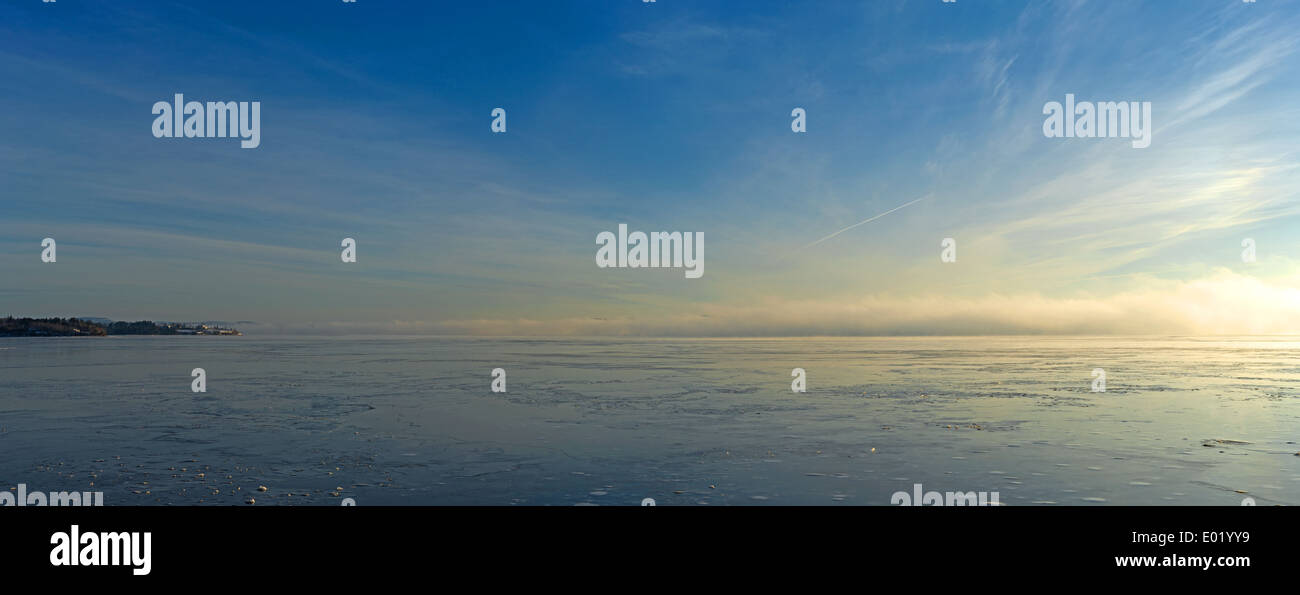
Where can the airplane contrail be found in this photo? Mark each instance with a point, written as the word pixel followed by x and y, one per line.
pixel 865 221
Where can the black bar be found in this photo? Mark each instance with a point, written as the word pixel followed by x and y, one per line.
pixel 322 544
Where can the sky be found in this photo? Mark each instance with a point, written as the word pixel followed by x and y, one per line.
pixel 673 116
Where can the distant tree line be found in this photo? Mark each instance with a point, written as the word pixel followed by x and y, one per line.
pixel 48 327
pixel 143 327
pixel 73 327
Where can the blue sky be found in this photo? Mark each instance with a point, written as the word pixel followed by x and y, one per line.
pixel 666 116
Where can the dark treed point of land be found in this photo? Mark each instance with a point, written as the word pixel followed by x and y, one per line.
pixel 75 327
